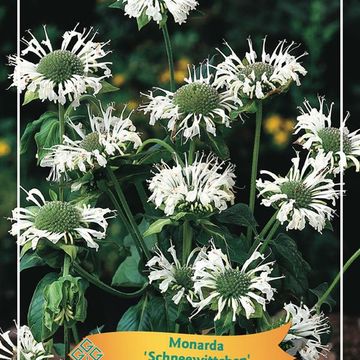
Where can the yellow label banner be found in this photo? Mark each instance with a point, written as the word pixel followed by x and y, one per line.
pixel 171 346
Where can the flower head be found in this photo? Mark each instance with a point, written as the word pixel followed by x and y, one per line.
pixel 109 136
pixel 154 9
pixel 252 78
pixel 303 195
pixel 28 347
pixel 321 135
pixel 58 220
pixel 202 187
pixel 61 74
pixel 173 277
pixel 195 105
pixel 226 289
pixel 308 326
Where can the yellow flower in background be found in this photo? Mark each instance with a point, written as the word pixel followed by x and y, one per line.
pixel 4 148
pixel 132 104
pixel 181 71
pixel 279 128
pixel 118 80
pixel 180 75
pixel 183 63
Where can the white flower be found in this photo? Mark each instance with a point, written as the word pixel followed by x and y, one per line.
pixel 57 220
pixel 61 74
pixel 202 187
pixel 321 135
pixel 109 136
pixel 259 79
pixel 195 105
pixel 154 9
pixel 28 348
pixel 308 326
pixel 172 276
pixel 231 290
pixel 303 195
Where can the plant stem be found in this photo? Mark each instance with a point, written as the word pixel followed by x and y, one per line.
pixel 101 285
pixel 170 56
pixel 337 278
pixel 66 342
pixel 187 240
pixel 75 334
pixel 191 152
pixel 142 195
pixel 61 112
pixel 270 236
pixel 268 225
pixel 232 329
pixel 128 212
pixel 255 160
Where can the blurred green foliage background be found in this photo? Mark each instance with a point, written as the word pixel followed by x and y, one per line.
pixel 139 63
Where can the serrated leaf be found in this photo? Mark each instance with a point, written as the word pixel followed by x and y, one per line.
pixel 319 291
pixel 32 128
pixel 36 309
pixel 30 260
pixel 30 96
pixel 239 214
pixel 157 226
pixel 47 137
pixel 106 87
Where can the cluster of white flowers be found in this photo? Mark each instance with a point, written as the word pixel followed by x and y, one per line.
pixel 195 105
pixel 204 186
pixel 27 347
pixel 61 74
pixel 155 9
pixel 208 280
pixel 109 136
pixel 58 220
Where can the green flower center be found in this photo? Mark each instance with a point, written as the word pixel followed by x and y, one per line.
pixel 60 65
pixel 232 284
pixel 57 217
pixel 330 138
pixel 195 208
pixel 91 142
pixel 197 98
pixel 259 70
pixel 297 191
pixel 183 277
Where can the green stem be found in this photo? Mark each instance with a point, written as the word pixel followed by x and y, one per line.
pixel 191 152
pixel 337 278
pixel 269 236
pixel 187 241
pixel 142 195
pixel 170 57
pixel 66 271
pixel 89 98
pixel 75 334
pixel 268 226
pixel 255 160
pixel 61 112
pixel 232 329
pixel 128 212
pixel 101 285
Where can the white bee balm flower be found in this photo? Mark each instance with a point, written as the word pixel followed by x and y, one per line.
pixel 108 136
pixel 257 79
pixel 64 73
pixel 306 325
pixel 58 220
pixel 303 195
pixel 226 289
pixel 27 348
pixel 202 187
pixel 195 106
pixel 320 135
pixel 154 9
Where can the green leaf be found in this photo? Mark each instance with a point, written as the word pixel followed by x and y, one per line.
pixel 53 195
pixel 292 265
pixel 219 146
pixel 249 106
pixel 239 214
pixel 162 313
pixel 70 250
pixel 36 309
pixel 142 20
pixel 30 260
pixel 47 137
pixel 30 96
pixel 117 5
pixel 157 226
pixel 224 324
pixel 320 290
pixel 106 87
pixel 32 128
pixel 60 349
pixel 136 318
